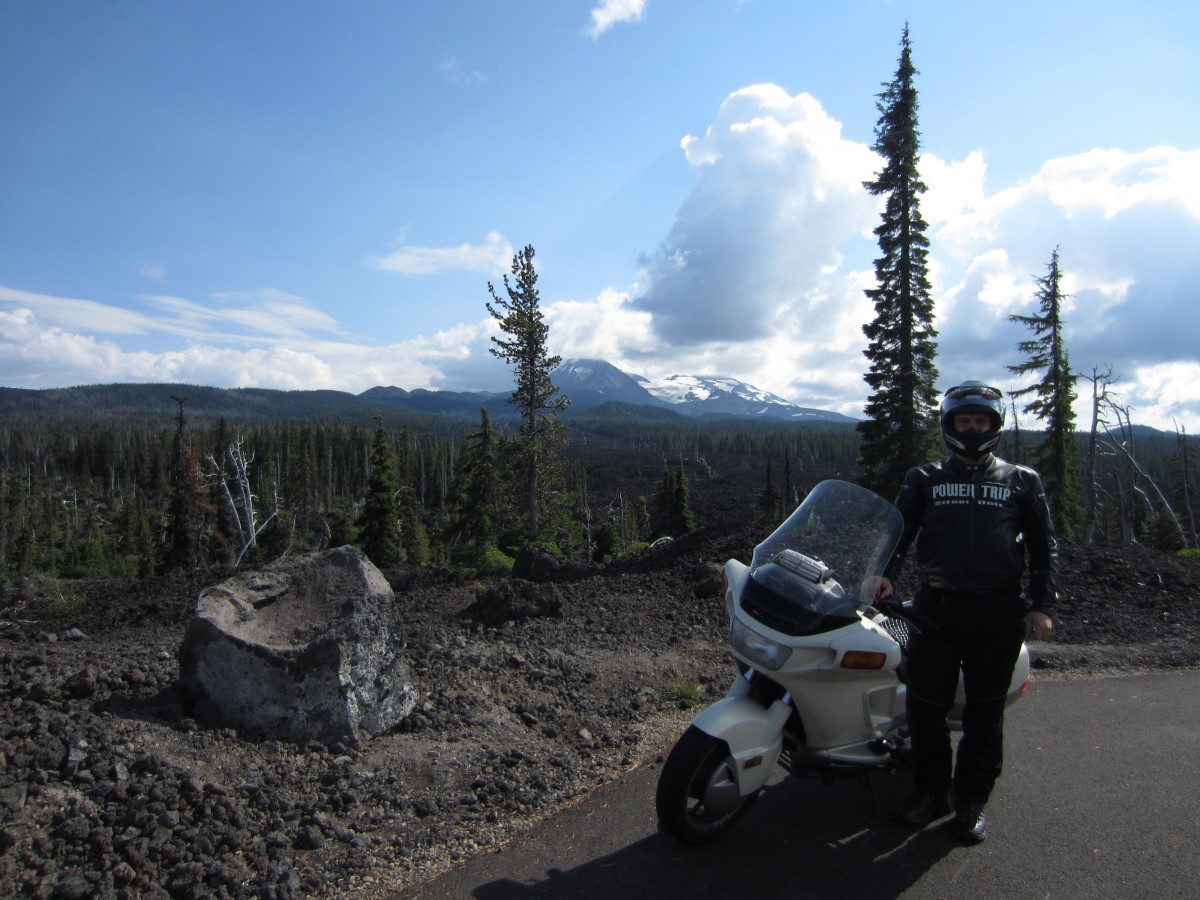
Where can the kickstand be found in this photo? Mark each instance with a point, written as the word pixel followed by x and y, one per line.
pixel 864 779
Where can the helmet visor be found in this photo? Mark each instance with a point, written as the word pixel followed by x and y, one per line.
pixel 966 391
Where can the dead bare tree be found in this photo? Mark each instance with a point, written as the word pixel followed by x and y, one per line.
pixel 1185 477
pixel 1134 477
pixel 239 496
pixel 1017 455
pixel 1101 381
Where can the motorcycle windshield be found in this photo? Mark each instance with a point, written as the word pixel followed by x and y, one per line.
pixel 816 569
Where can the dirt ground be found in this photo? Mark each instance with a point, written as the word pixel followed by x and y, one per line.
pixel 109 787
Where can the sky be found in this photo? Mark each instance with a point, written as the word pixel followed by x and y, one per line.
pixel 303 195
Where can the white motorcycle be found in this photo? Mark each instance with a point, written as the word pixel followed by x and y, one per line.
pixel 822 689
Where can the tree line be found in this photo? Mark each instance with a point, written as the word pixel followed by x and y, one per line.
pixel 130 495
pixel 104 499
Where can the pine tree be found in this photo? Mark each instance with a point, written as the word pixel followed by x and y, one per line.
pixel 683 518
pixel 768 497
pixel 900 426
pixel 1057 457
pixel 479 510
pixel 380 531
pixel 188 503
pixel 536 398
pixel 672 503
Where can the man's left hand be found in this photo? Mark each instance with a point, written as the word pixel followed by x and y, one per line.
pixel 1038 626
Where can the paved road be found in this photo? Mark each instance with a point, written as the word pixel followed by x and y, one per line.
pixel 1100 799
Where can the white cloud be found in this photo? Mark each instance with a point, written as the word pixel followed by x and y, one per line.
pixel 1127 226
pixel 1166 394
pixel 613 12
pixel 81 315
pixel 606 328
pixel 780 192
pixel 37 354
pixel 1114 181
pixel 492 257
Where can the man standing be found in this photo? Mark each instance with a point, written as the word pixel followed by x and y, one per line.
pixel 978 518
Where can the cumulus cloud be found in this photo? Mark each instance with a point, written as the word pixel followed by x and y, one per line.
pixel 614 12
pixel 1127 226
pixel 606 328
pixel 492 257
pixel 780 191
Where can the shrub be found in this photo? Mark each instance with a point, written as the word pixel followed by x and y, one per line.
pixel 683 690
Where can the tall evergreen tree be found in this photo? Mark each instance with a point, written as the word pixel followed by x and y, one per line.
pixel 542 436
pixel 1057 457
pixel 768 498
pixel 900 428
pixel 480 497
pixel 188 504
pixel 380 532
pixel 672 503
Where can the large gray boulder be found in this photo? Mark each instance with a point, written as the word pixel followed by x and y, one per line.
pixel 311 648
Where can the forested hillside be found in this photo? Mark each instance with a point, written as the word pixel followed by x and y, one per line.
pixel 132 484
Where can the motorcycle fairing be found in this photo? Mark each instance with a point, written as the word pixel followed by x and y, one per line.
pixel 753 733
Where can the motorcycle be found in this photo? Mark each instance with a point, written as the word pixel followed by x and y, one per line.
pixel 821 688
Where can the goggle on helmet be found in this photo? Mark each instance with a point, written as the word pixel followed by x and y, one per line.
pixel 972 397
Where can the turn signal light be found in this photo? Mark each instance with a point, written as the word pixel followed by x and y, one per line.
pixel 862 659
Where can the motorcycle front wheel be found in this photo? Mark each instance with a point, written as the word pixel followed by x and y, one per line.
pixel 697 798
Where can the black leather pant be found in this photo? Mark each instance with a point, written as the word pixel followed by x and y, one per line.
pixel 986 648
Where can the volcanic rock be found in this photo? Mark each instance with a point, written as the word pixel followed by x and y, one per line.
pixel 309 649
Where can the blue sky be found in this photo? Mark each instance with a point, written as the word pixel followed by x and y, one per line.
pixel 315 195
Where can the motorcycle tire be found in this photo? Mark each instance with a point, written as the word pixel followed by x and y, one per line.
pixel 697 798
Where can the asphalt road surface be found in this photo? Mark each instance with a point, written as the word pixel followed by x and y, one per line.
pixel 1100 798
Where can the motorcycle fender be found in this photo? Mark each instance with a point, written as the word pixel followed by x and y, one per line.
pixel 753 734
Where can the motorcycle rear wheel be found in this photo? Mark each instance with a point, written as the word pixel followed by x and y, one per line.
pixel 697 798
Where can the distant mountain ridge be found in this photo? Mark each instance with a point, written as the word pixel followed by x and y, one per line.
pixel 589 383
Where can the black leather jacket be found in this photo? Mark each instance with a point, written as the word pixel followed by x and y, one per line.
pixel 976 525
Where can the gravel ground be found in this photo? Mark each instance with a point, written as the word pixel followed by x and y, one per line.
pixel 109 788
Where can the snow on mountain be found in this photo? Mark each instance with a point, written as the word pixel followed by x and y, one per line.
pixel 706 388
pixel 589 382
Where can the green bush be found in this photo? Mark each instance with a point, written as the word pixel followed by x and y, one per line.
pixel 634 549
pixel 471 562
pixel 495 562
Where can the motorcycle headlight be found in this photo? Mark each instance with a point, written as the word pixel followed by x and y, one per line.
pixel 760 649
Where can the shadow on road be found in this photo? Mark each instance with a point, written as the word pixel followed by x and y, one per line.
pixel 801 838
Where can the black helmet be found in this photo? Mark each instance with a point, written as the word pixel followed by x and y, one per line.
pixel 972 397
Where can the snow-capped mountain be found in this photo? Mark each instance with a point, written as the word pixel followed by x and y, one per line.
pixel 590 382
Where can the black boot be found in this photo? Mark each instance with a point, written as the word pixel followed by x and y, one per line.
pixel 924 806
pixel 969 824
